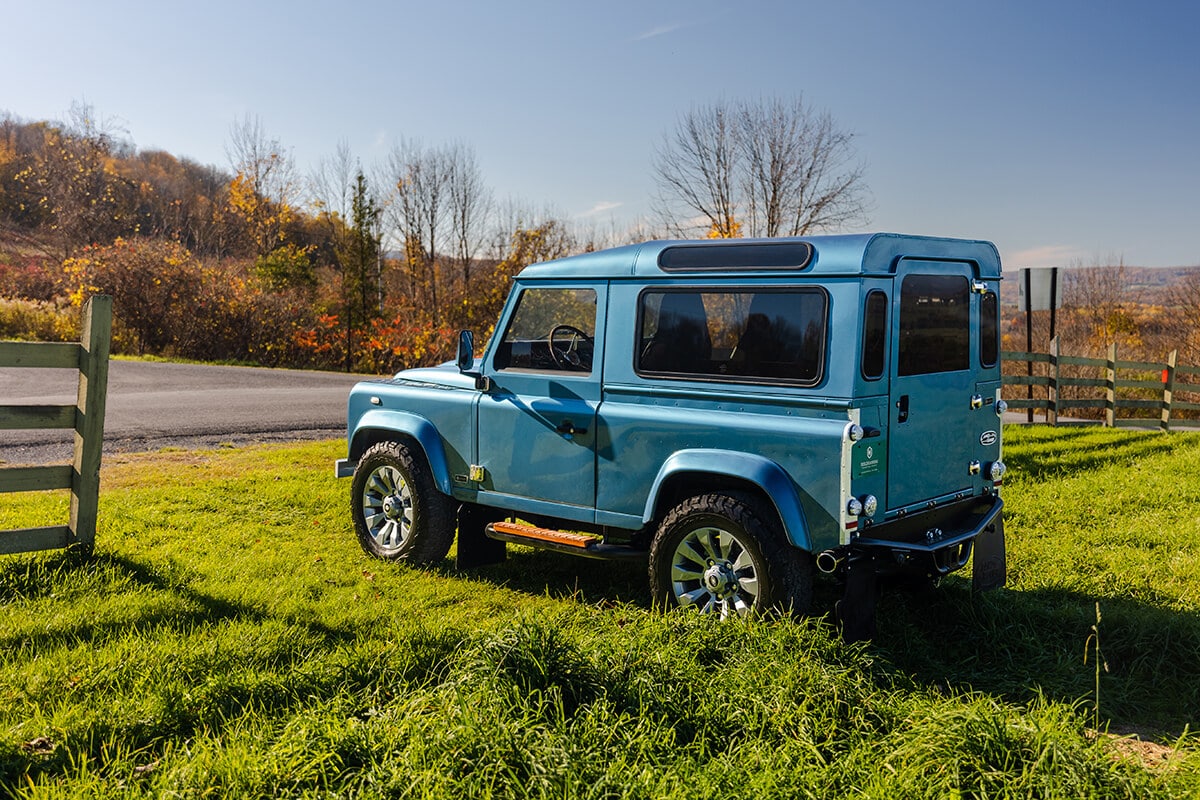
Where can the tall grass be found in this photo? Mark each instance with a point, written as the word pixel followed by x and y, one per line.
pixel 228 638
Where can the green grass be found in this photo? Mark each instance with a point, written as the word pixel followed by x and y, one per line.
pixel 229 638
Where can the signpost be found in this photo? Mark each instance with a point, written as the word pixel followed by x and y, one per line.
pixel 1038 290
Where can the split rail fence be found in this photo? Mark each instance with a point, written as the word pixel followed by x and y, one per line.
pixel 1106 390
pixel 86 417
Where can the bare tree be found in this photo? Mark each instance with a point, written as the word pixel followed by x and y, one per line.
pixel 1104 297
pixel 470 207
pixel 800 174
pixel 696 168
pixel 339 194
pixel 331 185
pixel 771 168
pixel 419 212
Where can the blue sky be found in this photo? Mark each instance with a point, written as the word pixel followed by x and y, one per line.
pixel 1066 132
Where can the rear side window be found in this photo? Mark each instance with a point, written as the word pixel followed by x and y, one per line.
pixel 989 329
pixel 874 347
pixel 763 336
pixel 935 324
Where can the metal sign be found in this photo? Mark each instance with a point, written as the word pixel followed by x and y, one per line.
pixel 1039 289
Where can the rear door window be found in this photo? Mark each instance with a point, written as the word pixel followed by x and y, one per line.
pixel 935 324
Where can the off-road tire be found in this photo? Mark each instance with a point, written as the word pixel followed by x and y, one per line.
pixel 420 528
pixel 783 574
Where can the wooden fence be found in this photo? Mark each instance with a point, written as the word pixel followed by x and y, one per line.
pixel 1152 388
pixel 86 417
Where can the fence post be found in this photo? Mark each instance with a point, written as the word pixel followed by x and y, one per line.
pixel 1110 388
pixel 1052 388
pixel 89 418
pixel 1168 389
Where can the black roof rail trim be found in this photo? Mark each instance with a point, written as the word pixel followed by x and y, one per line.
pixel 736 257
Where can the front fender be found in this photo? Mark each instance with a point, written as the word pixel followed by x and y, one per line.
pixel 762 472
pixel 398 424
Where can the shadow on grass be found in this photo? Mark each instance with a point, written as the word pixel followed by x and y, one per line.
pixel 1015 645
pixel 75 573
pixel 1083 450
pixel 1019 644
pixel 563 577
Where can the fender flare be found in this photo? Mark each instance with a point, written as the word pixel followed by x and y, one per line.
pixel 396 424
pixel 760 471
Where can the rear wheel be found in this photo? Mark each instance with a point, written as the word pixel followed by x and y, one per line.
pixel 725 554
pixel 399 514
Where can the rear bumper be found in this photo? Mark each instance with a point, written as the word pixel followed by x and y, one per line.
pixel 937 542
pixel 343 468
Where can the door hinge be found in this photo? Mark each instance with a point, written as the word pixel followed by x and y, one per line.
pixel 478 474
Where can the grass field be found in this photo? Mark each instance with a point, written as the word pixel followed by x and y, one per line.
pixel 229 638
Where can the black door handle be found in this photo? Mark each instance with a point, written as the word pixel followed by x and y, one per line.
pixel 567 428
pixel 902 405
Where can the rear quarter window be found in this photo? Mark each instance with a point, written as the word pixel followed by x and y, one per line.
pixel 770 336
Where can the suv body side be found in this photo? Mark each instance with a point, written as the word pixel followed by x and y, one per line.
pixel 897 404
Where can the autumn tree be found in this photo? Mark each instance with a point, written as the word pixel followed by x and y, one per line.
pixel 265 188
pixel 771 168
pixel 72 180
pixel 152 283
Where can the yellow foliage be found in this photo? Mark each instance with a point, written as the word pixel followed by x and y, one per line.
pixel 726 229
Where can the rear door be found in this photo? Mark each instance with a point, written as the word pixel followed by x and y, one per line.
pixel 933 378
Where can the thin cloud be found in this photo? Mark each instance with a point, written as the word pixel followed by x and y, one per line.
pixel 599 208
pixel 1049 255
pixel 661 30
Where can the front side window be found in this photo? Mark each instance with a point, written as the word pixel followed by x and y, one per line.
pixel 552 329
pixel 770 336
pixel 935 324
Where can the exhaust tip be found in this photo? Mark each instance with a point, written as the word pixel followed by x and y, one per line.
pixel 828 561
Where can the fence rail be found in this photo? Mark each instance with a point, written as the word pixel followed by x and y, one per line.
pixel 86 417
pixel 1161 394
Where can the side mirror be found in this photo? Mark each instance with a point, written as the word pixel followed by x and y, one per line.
pixel 465 359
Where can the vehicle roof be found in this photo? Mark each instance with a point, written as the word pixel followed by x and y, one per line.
pixel 853 254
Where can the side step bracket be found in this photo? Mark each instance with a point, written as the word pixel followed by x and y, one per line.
pixel 578 544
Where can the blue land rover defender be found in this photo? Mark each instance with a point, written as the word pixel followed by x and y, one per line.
pixel 739 413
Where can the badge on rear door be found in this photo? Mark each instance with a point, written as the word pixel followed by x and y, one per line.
pixel 987 438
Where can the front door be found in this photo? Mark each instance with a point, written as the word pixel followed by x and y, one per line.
pixel 537 422
pixel 933 379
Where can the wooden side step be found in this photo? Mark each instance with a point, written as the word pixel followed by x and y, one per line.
pixel 579 544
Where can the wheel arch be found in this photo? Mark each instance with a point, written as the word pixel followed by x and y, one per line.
pixel 411 429
pixel 691 472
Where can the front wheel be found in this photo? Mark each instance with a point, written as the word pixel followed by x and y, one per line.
pixel 399 514
pixel 726 555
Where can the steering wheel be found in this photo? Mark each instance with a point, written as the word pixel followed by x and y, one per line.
pixel 568 357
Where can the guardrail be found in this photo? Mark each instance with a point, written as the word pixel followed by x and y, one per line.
pixel 86 417
pixel 1160 394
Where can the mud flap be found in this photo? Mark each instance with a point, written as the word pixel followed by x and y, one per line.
pixel 474 548
pixel 856 610
pixel 989 569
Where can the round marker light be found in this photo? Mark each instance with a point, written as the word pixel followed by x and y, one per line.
pixel 854 507
pixel 854 432
pixel 1001 407
pixel 996 470
pixel 870 504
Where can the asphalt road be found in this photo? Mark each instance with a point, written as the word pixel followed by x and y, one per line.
pixel 154 405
